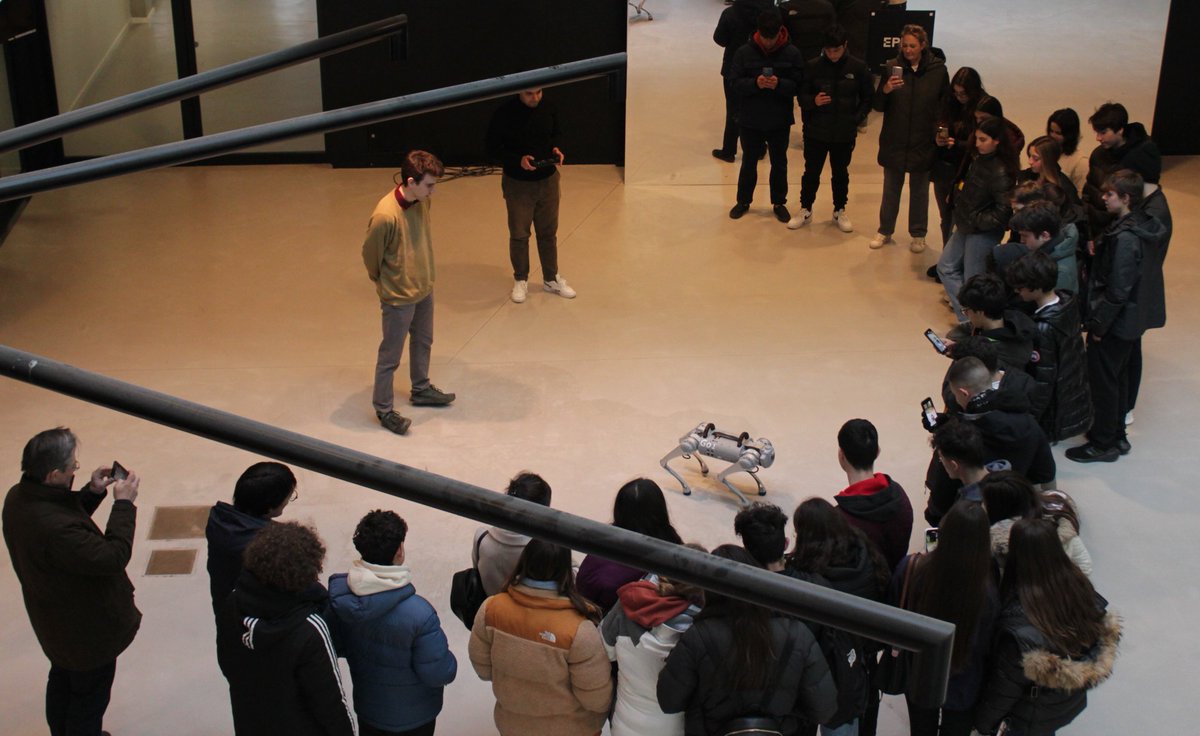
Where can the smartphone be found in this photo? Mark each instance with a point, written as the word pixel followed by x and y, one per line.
pixel 768 71
pixel 930 411
pixel 897 72
pixel 936 341
pixel 931 536
pixel 118 471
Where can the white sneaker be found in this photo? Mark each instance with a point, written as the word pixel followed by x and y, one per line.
pixel 559 286
pixel 842 220
pixel 880 240
pixel 520 291
pixel 800 220
pixel 1129 417
pixel 917 245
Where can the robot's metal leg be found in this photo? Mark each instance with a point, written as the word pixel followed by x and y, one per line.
pixel 703 467
pixel 677 452
pixel 723 477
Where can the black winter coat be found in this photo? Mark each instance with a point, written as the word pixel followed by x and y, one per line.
pixel 1155 205
pixel 981 204
pixel 77 593
pixel 766 109
pixel 276 651
pixel 694 679
pixel 1126 290
pixel 1036 690
pixel 1140 153
pixel 736 25
pixel 807 21
pixel 228 532
pixel 848 82
pixel 910 115
pixel 1060 369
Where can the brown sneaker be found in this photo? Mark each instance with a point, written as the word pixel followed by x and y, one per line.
pixel 430 396
pixel 393 422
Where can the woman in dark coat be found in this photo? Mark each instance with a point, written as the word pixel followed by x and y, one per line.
pixel 911 103
pixel 954 139
pixel 1056 641
pixel 739 660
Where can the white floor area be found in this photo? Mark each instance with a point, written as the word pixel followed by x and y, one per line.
pixel 243 289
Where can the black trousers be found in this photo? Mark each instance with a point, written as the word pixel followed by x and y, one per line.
pixel 754 143
pixel 1108 372
pixel 76 701
pixel 1135 374
pixel 839 171
pixel 366 729
pixel 730 137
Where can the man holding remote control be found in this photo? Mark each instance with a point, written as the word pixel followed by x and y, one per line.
pixel 523 136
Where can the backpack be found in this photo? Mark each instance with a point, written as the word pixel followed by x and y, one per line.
pixel 846 656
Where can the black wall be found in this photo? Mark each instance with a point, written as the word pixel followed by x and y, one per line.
pixel 449 42
pixel 1177 108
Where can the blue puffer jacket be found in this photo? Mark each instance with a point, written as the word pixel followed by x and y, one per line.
pixel 399 658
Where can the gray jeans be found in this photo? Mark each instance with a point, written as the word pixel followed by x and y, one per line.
pixel 416 322
pixel 918 202
pixel 532 203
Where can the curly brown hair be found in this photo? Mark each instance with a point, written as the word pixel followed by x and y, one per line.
pixel 286 556
pixel 417 164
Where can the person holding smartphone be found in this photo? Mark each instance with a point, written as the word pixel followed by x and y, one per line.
pixel 910 97
pixel 765 74
pixel 835 98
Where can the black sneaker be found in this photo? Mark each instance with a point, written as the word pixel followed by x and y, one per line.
pixel 723 156
pixel 430 396
pixel 1089 453
pixel 738 210
pixel 393 422
pixel 1123 446
pixel 781 213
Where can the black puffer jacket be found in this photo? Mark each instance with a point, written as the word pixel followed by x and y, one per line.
pixel 807 21
pixel 694 679
pixel 1127 287
pixel 1060 368
pixel 981 201
pixel 906 141
pixel 1140 153
pixel 766 109
pixel 1036 690
pixel 277 653
pixel 736 25
pixel 848 82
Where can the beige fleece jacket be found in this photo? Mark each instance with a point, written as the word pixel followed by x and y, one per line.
pixel 398 251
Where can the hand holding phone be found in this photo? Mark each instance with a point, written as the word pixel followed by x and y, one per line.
pixel 936 341
pixel 118 471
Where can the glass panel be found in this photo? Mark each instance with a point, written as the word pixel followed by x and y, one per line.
pixel 232 30
pixel 101 51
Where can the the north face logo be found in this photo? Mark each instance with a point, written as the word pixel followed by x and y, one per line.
pixel 852 658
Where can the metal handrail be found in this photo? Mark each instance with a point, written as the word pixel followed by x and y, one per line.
pixel 54 127
pixel 932 640
pixel 194 149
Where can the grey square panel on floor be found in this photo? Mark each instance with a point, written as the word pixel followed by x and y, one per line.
pixel 178 522
pixel 171 562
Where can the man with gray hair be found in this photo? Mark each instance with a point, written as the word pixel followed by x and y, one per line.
pixel 77 593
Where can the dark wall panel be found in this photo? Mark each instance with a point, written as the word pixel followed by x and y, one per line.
pixel 1178 106
pixel 449 42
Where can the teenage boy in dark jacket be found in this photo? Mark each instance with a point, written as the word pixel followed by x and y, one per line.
pixel 835 97
pixel 736 25
pixel 1154 204
pixel 1059 364
pixel 274 647
pixel 1123 145
pixel 872 501
pixel 1126 297
pixel 765 74
pixel 984 299
pixel 262 492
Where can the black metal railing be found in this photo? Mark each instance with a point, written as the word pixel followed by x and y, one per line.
pixel 932 640
pixel 195 149
pixel 180 89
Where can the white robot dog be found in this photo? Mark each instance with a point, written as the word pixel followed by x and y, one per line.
pixel 746 455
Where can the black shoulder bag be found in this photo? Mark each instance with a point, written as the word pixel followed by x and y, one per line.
pixel 466 590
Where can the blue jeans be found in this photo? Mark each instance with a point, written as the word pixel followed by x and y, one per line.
pixel 846 729
pixel 963 257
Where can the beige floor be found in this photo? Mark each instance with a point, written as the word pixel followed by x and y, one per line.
pixel 241 288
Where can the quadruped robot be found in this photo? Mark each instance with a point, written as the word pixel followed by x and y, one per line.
pixel 746 455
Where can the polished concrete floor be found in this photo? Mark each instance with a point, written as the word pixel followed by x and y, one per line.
pixel 242 289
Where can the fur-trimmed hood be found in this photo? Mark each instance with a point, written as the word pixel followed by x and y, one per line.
pixel 1046 669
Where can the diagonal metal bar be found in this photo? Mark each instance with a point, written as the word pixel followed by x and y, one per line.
pixel 195 149
pixel 179 89
pixel 931 639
